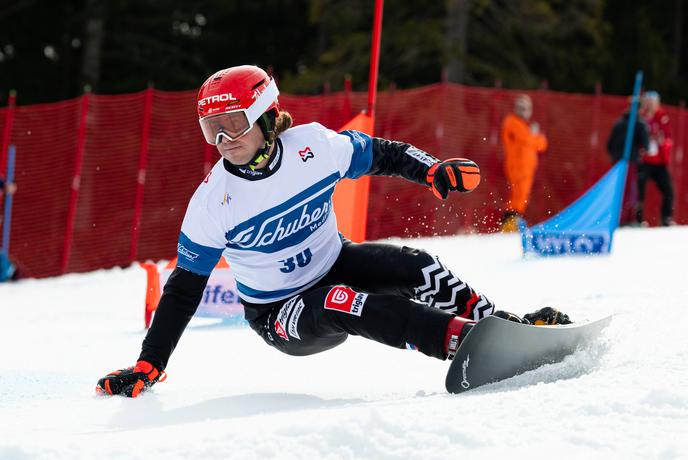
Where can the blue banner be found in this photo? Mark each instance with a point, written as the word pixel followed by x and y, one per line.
pixel 587 225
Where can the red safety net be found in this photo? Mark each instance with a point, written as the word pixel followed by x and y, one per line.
pixel 141 162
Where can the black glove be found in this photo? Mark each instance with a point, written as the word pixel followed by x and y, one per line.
pixel 130 381
pixel 547 316
pixel 509 317
pixel 458 174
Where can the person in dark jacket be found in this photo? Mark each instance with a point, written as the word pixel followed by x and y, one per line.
pixel 615 149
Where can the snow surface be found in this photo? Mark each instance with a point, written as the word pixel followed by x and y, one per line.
pixel 229 395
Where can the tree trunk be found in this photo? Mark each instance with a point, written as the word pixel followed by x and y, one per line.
pixel 678 38
pixel 94 33
pixel 455 39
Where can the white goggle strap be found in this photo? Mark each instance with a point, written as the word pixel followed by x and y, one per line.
pixel 262 102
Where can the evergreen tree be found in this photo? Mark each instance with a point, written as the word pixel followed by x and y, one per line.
pixel 50 50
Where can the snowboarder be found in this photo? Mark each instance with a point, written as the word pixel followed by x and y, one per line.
pixel 266 206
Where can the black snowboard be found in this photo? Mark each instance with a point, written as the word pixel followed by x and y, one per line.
pixel 496 349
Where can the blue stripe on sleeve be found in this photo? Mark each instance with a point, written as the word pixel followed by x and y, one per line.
pixel 196 258
pixel 362 158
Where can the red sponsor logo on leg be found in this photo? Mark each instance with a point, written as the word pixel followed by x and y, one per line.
pixel 283 316
pixel 279 329
pixel 345 299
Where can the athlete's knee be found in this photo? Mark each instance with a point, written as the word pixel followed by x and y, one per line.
pixel 434 281
pixel 415 258
pixel 440 288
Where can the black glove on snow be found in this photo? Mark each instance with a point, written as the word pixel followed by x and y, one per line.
pixel 130 381
pixel 458 174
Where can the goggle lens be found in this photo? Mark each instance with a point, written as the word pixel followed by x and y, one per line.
pixel 231 125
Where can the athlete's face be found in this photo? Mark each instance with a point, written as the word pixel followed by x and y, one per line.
pixel 240 151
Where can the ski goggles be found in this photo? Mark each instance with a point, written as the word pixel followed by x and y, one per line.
pixel 237 123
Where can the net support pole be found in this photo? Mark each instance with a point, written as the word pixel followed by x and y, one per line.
pixel 208 152
pixel 375 57
pixel 141 176
pixel 679 156
pixel 76 181
pixel 7 128
pixel 351 197
pixel 594 150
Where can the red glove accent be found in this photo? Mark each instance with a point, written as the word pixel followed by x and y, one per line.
pixel 130 381
pixel 459 174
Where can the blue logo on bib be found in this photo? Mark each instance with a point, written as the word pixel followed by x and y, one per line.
pixel 287 224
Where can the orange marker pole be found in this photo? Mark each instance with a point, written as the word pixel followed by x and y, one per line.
pixel 351 196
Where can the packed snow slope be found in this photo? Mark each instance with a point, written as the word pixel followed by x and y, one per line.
pixel 228 395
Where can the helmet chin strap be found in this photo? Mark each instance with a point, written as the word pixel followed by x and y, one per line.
pixel 260 155
pixel 266 122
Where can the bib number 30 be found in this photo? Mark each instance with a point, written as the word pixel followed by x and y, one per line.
pixel 300 260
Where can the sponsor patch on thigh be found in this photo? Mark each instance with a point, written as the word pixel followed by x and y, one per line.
pixel 345 299
pixel 293 328
pixel 283 316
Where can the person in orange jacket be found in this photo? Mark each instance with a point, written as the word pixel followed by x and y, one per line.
pixel 522 142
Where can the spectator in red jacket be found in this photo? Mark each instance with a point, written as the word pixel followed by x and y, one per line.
pixel 654 163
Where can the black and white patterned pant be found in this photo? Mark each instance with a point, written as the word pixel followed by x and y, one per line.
pixel 398 296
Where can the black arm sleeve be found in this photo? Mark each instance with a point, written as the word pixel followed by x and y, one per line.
pixel 179 301
pixel 614 143
pixel 393 158
pixel 643 135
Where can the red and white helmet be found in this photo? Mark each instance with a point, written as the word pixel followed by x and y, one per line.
pixel 233 99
